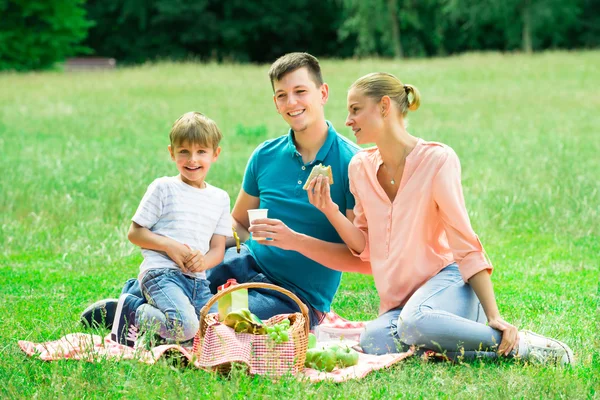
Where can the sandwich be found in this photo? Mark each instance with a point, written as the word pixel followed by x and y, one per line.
pixel 319 170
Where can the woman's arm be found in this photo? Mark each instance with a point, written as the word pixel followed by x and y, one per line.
pixel 319 196
pixel 336 256
pixel 466 247
pixel 483 288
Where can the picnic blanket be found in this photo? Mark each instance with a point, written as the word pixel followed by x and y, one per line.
pixel 94 348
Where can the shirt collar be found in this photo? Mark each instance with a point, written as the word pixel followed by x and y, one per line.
pixel 323 151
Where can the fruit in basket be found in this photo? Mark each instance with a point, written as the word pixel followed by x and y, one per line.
pixel 279 332
pixel 346 357
pixel 243 320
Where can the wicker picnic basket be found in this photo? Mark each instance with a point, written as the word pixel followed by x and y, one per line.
pixel 217 346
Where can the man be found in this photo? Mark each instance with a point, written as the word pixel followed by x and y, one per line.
pixel 303 253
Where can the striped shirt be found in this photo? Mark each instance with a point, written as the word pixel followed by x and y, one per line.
pixel 183 213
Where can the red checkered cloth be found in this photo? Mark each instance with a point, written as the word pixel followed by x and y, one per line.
pixel 222 345
pixel 93 348
pixel 332 320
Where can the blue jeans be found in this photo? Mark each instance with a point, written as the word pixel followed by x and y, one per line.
pixel 443 315
pixel 242 267
pixel 174 301
pixel 264 303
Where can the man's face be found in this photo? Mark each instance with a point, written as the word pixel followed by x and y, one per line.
pixel 298 99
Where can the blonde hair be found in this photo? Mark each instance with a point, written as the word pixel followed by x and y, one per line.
pixel 195 127
pixel 378 84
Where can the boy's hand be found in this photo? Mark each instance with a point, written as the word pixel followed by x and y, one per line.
pixel 179 253
pixel 195 262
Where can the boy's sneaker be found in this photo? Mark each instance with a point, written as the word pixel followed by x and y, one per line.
pixel 99 314
pixel 124 330
pixel 545 350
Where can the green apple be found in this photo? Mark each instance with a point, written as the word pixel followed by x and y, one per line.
pixel 346 357
pixel 326 360
pixel 334 347
pixel 312 341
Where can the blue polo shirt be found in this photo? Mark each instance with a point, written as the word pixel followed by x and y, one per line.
pixel 275 174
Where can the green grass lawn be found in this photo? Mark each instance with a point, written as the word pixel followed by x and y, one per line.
pixel 78 151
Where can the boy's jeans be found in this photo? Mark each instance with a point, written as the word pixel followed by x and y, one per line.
pixel 443 315
pixel 242 267
pixel 174 303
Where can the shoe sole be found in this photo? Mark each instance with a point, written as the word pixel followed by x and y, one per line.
pixel 99 314
pixel 567 350
pixel 114 333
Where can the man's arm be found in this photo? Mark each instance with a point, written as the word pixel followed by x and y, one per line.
pixel 239 216
pixel 335 256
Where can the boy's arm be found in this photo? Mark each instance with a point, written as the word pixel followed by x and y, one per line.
pixel 147 239
pixel 239 216
pixel 216 253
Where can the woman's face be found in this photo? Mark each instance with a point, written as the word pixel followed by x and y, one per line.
pixel 364 117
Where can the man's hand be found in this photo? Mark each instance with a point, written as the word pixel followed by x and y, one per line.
pixel 195 261
pixel 319 195
pixel 179 253
pixel 510 335
pixel 281 236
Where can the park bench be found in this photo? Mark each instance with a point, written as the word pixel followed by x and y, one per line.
pixel 89 63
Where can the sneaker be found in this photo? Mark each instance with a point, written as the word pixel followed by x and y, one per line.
pixel 99 314
pixel 124 330
pixel 543 350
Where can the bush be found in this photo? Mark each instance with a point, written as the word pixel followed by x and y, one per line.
pixel 35 34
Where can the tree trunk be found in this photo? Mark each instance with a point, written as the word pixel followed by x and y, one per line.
pixel 395 25
pixel 526 20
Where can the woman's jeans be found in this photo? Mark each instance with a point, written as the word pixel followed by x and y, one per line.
pixel 443 315
pixel 174 303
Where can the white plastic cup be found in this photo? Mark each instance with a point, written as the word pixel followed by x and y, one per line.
pixel 257 213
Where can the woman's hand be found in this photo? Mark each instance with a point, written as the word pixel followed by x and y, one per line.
pixel 319 195
pixel 510 335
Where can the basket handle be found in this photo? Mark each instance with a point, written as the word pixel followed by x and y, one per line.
pixel 254 285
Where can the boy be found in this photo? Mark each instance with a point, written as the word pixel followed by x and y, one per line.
pixel 181 226
pixel 305 254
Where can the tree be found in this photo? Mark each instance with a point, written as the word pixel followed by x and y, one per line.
pixel 37 34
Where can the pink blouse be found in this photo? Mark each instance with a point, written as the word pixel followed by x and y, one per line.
pixel 423 230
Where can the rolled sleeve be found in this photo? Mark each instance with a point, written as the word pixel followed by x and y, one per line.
pixel 466 248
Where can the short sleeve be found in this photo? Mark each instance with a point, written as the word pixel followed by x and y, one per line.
pixel 150 209
pixel 250 182
pixel 224 223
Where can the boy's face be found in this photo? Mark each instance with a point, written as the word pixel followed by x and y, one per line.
pixel 298 99
pixel 193 161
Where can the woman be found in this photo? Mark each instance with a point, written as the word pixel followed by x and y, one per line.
pixel 429 267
